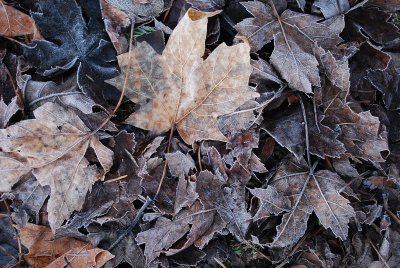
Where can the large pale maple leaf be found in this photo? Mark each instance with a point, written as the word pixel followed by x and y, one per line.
pixel 178 89
pixel 52 146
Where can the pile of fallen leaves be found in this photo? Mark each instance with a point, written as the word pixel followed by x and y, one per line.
pixel 173 133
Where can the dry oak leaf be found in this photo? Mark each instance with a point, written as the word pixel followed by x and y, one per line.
pixel 46 251
pixel 14 22
pixel 53 147
pixel 185 91
pixel 318 192
pixel 300 41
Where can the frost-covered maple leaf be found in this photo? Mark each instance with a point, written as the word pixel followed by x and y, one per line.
pixel 179 89
pixel 52 146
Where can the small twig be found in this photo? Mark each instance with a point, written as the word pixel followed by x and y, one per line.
pixel 16 41
pixel 165 164
pixel 147 203
pixel 132 159
pixel 377 252
pixel 68 262
pixel 53 95
pixel 116 179
pixel 167 12
pixel 316 116
pixel 257 250
pixel 306 134
pixel 220 263
pixel 199 157
pixel 138 216
pixel 11 78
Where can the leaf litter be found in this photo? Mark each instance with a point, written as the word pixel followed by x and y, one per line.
pixel 154 133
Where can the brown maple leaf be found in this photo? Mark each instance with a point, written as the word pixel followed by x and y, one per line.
pixel 53 147
pixel 15 23
pixel 46 251
pixel 179 89
pixel 307 192
pixel 300 43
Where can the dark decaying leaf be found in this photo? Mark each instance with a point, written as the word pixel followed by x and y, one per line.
pixel 127 251
pixel 389 5
pixel 8 69
pixel 288 129
pixel 318 192
pixel 231 207
pixel 331 8
pixel 204 221
pixel 206 217
pixel 299 41
pixel 83 220
pixel 361 133
pixel 70 41
pixel 368 59
pixel 270 202
pixel 162 236
pixel 139 10
pixel 179 166
pixel 374 23
pixel 8 243
pixel 29 198
pixel 388 82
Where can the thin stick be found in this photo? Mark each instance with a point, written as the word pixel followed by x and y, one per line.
pixel 165 164
pixel 377 252
pixel 11 78
pixel 316 116
pixel 391 214
pixel 199 157
pixel 220 263
pixel 138 216
pixel 16 41
pixel 306 134
pixel 257 250
pixel 116 179
pixel 54 95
